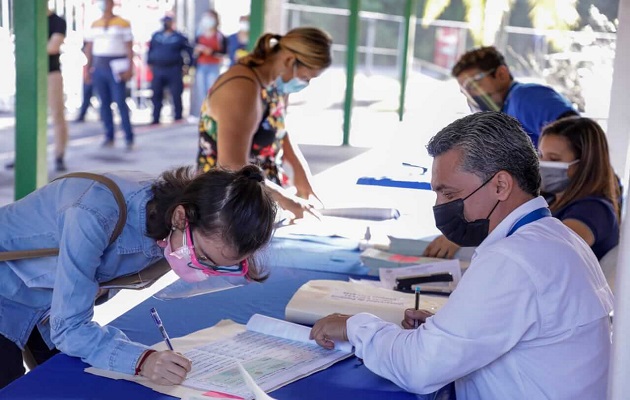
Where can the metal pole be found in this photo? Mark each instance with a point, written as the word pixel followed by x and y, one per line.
pixel 370 44
pixel 353 34
pixel 256 21
pixel 31 62
pixel 407 53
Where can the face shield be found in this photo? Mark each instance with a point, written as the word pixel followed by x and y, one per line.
pixel 478 99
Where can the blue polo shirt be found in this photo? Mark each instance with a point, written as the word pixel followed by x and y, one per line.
pixel 534 106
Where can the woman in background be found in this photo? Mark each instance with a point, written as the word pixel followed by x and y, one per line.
pixel 242 119
pixel 208 52
pixel 581 186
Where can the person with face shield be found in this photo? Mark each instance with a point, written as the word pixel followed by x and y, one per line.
pixel 579 182
pixel 205 226
pixel 486 81
pixel 533 299
pixel 242 119
pixel 209 50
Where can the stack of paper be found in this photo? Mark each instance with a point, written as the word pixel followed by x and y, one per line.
pixel 319 298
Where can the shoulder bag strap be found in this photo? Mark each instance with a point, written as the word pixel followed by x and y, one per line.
pixel 122 218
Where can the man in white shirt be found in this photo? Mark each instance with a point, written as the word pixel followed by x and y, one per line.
pixel 529 319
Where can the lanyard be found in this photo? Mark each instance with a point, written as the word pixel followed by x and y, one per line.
pixel 531 217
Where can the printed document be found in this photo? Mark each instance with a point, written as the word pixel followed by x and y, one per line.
pixel 273 352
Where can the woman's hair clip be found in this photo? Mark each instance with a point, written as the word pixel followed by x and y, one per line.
pixel 275 40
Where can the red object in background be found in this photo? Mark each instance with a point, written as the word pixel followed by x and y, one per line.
pixel 141 72
pixel 446 46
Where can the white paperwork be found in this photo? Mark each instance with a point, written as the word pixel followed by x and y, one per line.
pixel 259 394
pixel 273 361
pixel 118 66
pixel 319 298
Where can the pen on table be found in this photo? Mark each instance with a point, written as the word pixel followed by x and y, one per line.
pixel 160 326
pixel 424 169
pixel 415 321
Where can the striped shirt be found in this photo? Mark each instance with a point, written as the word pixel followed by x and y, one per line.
pixel 109 37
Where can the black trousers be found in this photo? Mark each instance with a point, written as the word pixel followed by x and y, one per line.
pixel 12 364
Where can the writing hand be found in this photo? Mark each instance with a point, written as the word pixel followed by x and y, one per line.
pixel 330 329
pixel 441 247
pixel 411 316
pixel 166 367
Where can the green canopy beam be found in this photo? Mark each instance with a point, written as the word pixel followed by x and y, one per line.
pixel 256 21
pixel 31 61
pixel 353 43
pixel 407 51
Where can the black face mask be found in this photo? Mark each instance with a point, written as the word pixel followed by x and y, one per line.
pixel 450 220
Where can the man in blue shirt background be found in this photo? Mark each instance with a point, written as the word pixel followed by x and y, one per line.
pixel 169 51
pixel 486 81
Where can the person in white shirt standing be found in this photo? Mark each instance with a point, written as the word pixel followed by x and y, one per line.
pixel 109 53
pixel 530 317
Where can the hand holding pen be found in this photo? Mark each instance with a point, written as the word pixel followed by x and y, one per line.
pixel 163 367
pixel 414 317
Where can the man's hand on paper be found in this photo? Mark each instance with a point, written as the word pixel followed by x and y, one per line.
pixel 412 315
pixel 330 329
pixel 441 247
pixel 166 367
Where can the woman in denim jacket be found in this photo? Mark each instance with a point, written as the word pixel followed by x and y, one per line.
pixel 47 303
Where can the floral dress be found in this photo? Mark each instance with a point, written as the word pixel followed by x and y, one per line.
pixel 266 149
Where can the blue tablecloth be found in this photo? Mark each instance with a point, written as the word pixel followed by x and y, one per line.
pixel 63 377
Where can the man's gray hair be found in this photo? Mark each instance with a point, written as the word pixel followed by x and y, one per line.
pixel 491 142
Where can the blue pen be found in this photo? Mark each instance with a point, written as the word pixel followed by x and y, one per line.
pixel 415 321
pixel 160 326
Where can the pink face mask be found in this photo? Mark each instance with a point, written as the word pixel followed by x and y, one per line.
pixel 188 267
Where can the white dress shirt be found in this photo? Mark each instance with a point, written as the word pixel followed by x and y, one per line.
pixel 528 320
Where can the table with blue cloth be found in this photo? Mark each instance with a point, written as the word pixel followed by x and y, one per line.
pixel 63 377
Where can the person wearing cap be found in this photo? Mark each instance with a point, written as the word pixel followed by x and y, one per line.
pixel 169 52
pixel 486 81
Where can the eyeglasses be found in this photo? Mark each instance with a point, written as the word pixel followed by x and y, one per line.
pixel 472 80
pixel 209 267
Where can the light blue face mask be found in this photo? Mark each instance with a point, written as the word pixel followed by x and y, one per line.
pixel 293 86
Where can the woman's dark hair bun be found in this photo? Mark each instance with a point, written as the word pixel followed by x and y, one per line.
pixel 253 172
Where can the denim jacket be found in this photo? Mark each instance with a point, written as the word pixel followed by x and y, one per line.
pixel 77 216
